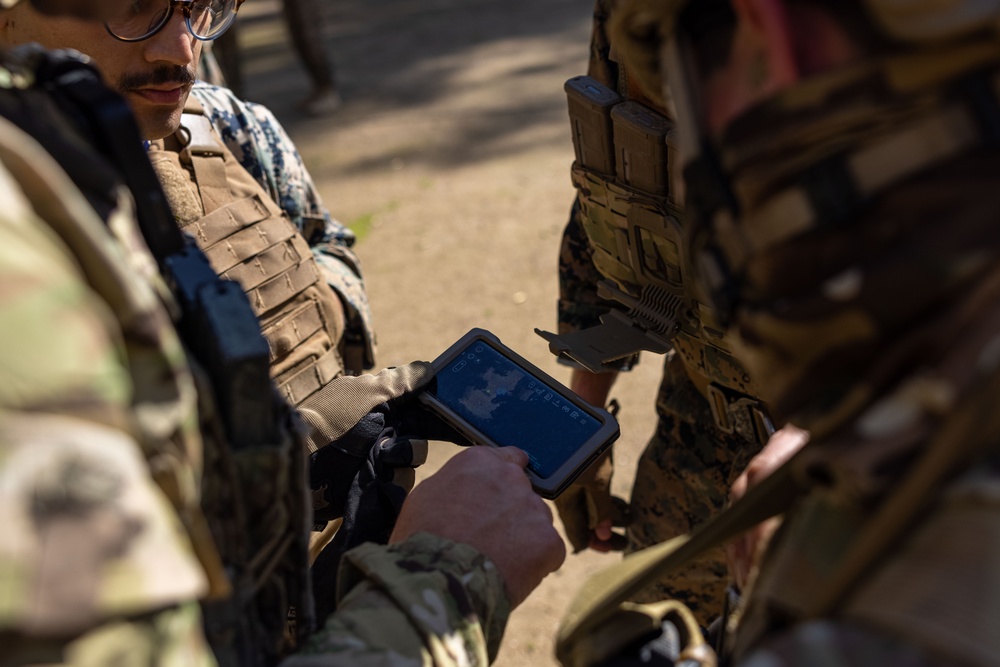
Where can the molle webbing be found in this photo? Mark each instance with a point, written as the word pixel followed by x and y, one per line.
pixel 248 239
pixel 624 155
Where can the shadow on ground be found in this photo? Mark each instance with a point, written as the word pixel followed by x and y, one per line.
pixel 395 56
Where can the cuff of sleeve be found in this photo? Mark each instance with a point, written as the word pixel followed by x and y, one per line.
pixel 341 274
pixel 441 586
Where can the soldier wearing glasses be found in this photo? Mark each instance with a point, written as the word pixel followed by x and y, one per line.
pixel 152 482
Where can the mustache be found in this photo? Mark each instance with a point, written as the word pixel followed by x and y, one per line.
pixel 156 77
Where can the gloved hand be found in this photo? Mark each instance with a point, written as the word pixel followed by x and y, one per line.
pixel 371 453
pixel 588 510
pixel 361 467
pixel 353 414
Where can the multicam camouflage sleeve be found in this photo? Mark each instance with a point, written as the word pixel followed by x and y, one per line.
pixel 88 535
pixel 426 601
pixel 257 139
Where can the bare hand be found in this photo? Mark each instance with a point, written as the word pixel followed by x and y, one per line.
pixel 587 509
pixel 481 497
pixel 742 552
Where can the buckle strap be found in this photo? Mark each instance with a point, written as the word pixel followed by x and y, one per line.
pixel 200 136
pixel 204 151
pixel 726 406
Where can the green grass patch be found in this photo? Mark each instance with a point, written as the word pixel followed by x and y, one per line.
pixel 362 225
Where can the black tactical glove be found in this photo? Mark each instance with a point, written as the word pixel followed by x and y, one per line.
pixel 373 453
pixel 365 472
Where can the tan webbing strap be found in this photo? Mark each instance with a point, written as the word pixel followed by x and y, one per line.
pixel 233 249
pixel 602 594
pixel 216 226
pixel 288 332
pixel 604 213
pixel 204 152
pixel 274 261
pixel 277 290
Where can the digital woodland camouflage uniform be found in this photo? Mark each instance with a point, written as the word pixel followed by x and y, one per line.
pixel 862 263
pixel 685 472
pixel 104 446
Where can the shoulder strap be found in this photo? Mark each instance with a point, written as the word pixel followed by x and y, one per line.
pixel 204 150
pixel 601 596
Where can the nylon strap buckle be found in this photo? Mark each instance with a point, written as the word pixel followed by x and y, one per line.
pixel 725 406
pixel 200 138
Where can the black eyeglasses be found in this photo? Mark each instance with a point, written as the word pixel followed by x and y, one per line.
pixel 206 19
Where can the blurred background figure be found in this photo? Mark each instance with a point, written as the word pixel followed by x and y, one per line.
pixel 223 66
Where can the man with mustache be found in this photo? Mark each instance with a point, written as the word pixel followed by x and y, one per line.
pixel 149 54
pixel 152 492
pixel 237 185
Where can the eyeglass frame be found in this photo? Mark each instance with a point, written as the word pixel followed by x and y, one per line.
pixel 186 6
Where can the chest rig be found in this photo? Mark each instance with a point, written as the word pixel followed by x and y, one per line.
pixel 248 239
pixel 631 216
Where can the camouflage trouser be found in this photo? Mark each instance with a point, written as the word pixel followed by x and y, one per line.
pixel 683 479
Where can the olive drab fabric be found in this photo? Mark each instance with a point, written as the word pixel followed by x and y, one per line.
pixel 875 371
pixel 82 455
pixel 248 239
pixel 102 454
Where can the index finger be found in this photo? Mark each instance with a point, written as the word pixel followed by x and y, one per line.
pixel 511 454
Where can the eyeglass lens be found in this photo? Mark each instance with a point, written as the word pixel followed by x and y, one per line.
pixel 207 19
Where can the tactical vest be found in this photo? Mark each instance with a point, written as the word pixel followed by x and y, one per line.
pixel 248 239
pixel 624 159
pixel 253 484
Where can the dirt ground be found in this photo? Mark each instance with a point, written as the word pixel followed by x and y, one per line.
pixel 450 158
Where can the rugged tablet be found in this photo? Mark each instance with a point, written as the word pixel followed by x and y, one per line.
pixel 495 397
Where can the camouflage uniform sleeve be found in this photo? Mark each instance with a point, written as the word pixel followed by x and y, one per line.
pixel 426 601
pixel 265 150
pixel 89 540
